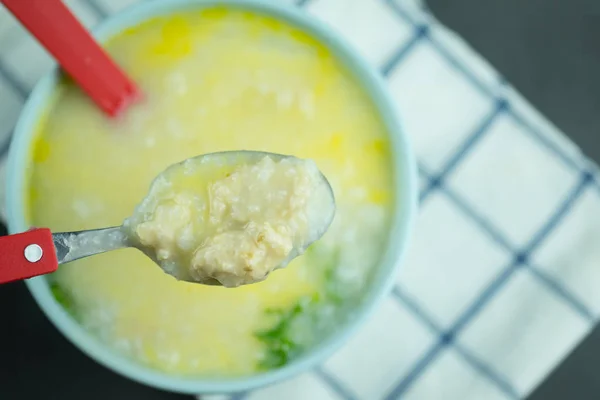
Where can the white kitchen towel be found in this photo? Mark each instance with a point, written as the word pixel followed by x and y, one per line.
pixel 501 279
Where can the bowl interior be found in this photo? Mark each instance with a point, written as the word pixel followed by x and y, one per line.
pixel 404 180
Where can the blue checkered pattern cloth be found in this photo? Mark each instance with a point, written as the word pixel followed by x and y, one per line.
pixel 502 278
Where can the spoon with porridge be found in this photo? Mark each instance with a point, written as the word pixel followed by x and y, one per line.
pixel 228 218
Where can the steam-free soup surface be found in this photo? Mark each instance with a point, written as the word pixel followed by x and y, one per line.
pixel 213 80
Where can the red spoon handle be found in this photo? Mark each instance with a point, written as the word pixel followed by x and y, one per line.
pixel 26 255
pixel 57 29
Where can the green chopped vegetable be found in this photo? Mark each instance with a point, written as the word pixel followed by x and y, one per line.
pixel 282 339
pixel 63 298
pixel 279 340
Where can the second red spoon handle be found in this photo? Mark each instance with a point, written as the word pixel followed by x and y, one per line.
pixel 57 29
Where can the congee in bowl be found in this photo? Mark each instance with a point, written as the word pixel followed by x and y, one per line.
pixel 219 79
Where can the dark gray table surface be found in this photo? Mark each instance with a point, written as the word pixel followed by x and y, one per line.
pixel 548 49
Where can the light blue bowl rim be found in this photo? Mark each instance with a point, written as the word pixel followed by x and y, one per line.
pixel 405 211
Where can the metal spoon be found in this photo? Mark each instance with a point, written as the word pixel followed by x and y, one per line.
pixel 41 251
